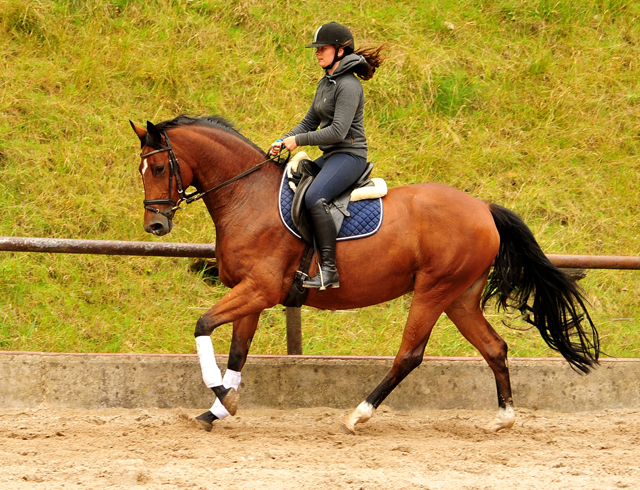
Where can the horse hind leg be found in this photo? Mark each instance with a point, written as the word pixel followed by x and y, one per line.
pixel 423 314
pixel 465 312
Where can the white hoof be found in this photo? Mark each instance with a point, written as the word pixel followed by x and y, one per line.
pixel 504 420
pixel 360 415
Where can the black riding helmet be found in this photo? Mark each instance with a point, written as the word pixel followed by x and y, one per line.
pixel 334 34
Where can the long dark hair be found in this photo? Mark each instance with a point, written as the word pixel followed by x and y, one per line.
pixel 374 59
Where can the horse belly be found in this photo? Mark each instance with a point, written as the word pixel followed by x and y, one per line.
pixel 431 232
pixel 372 270
pixel 359 291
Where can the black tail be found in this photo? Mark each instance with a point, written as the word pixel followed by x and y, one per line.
pixel 558 311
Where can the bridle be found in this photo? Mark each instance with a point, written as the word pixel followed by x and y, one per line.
pixel 174 173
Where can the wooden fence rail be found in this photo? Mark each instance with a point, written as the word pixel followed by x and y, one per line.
pixel 294 322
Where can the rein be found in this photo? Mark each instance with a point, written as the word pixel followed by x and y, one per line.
pixel 174 172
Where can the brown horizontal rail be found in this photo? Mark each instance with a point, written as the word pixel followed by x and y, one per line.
pixel 294 337
pixel 595 261
pixel 106 247
pixel 116 247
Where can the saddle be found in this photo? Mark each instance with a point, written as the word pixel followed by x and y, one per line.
pixel 301 171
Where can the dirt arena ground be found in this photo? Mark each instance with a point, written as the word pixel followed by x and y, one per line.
pixel 268 449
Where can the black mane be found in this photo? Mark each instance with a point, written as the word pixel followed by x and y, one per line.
pixel 213 121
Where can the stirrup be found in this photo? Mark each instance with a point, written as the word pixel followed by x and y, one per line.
pixel 318 282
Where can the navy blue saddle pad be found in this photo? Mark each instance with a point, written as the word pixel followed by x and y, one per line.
pixel 365 219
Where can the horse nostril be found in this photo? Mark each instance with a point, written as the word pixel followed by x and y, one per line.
pixel 156 227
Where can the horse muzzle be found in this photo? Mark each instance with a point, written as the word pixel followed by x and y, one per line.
pixel 158 224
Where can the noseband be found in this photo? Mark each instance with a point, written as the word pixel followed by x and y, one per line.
pixel 174 173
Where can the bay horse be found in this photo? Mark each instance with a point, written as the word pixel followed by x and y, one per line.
pixel 453 251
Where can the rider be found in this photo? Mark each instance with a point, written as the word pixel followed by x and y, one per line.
pixel 334 123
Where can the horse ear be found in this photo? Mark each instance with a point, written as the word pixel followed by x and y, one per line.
pixel 154 132
pixel 138 130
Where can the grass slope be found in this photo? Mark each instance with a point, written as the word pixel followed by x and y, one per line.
pixel 530 104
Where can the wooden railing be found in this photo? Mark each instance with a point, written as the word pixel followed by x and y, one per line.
pixel 293 315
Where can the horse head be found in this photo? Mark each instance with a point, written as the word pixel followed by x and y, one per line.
pixel 165 180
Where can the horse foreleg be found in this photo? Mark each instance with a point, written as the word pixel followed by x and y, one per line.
pixel 467 315
pixel 242 305
pixel 225 388
pixel 227 404
pixel 247 298
pixel 423 315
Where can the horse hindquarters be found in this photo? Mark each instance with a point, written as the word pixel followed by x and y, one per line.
pixel 455 244
pixel 464 310
pixel 521 269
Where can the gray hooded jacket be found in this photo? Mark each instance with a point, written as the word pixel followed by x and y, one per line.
pixel 337 110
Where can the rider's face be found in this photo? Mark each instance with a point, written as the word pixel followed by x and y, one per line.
pixel 325 55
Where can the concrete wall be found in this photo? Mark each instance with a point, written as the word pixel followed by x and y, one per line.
pixel 140 381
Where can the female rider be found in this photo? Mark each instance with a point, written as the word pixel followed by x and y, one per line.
pixel 334 123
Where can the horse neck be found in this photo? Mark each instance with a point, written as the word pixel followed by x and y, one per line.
pixel 223 156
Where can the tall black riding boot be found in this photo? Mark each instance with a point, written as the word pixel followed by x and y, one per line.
pixel 324 230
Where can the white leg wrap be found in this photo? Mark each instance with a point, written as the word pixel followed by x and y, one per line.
pixel 231 380
pixel 211 374
pixel 218 410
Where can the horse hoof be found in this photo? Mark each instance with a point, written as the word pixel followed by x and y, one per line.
pixel 205 421
pixel 347 428
pixel 495 426
pixel 504 420
pixel 491 428
pixel 361 414
pixel 230 401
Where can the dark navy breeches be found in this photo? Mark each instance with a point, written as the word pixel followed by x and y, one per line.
pixel 337 173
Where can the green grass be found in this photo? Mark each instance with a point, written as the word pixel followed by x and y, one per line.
pixel 530 104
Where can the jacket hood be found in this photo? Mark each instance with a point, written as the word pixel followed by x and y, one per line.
pixel 347 64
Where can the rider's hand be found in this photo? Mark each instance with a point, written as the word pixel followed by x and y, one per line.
pixel 290 143
pixel 276 147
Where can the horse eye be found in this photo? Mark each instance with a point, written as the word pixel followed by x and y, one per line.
pixel 158 170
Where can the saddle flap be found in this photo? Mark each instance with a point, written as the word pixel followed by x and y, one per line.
pixel 299 211
pixel 300 173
